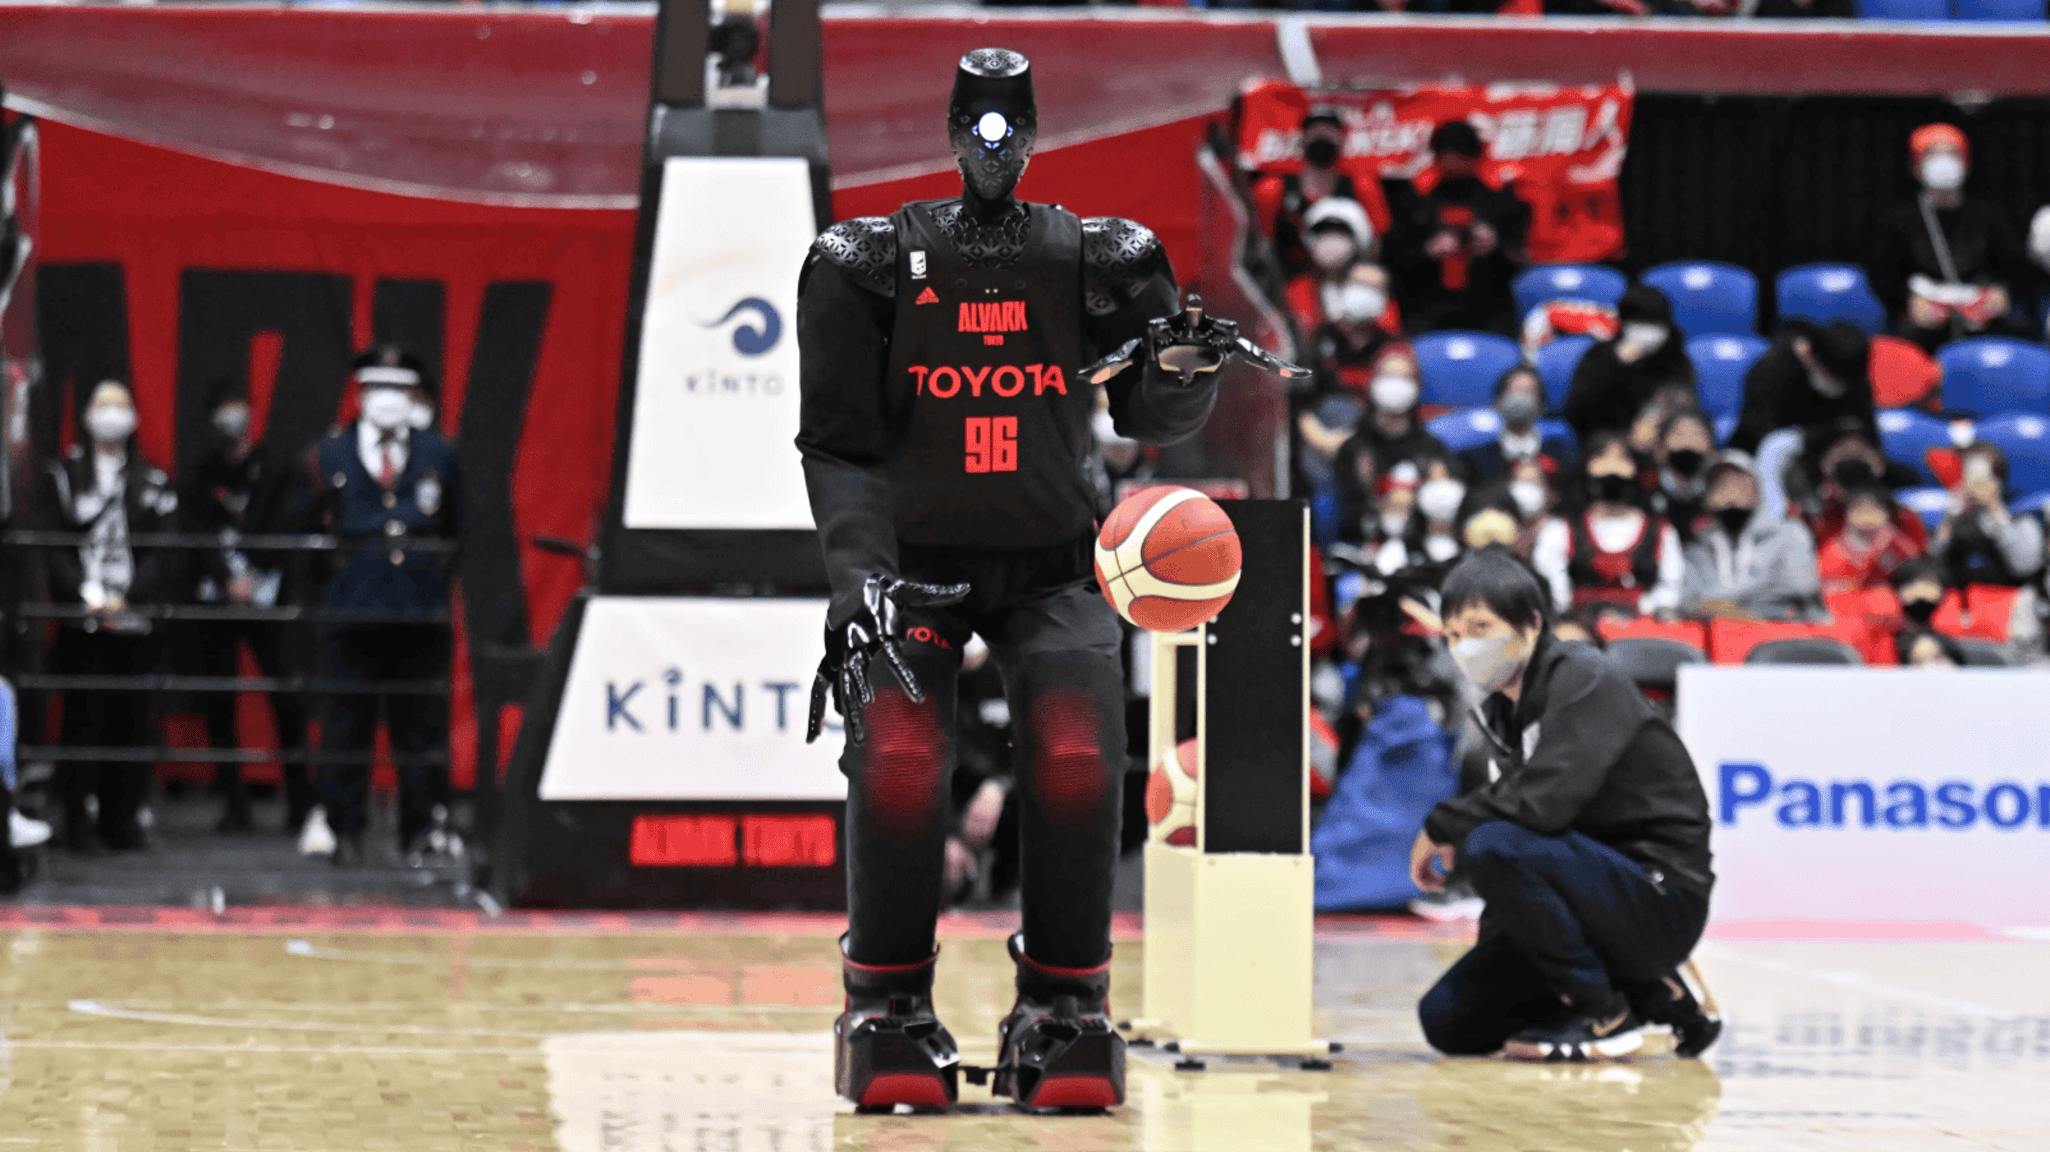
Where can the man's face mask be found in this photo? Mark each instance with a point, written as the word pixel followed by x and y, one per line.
pixel 1943 171
pixel 992 121
pixel 1686 461
pixel 232 420
pixel 387 408
pixel 1853 472
pixel 1609 488
pixel 1734 519
pixel 1920 611
pixel 1361 304
pixel 1439 499
pixel 1331 250
pixel 1517 410
pixel 1321 151
pixel 1647 338
pixel 1393 392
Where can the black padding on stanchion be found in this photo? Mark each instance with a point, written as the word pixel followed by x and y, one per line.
pixel 1252 774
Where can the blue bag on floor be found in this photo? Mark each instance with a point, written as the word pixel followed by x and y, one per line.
pixel 1403 767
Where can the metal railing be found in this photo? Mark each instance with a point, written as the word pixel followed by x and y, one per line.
pixel 153 682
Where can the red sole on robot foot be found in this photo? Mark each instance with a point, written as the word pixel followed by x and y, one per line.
pixel 1075 1092
pixel 905 1088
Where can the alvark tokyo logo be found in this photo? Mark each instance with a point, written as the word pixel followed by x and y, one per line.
pixel 757 338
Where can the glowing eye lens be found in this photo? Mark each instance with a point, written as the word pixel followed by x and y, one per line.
pixel 991 127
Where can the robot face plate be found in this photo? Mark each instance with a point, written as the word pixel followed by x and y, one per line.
pixel 992 121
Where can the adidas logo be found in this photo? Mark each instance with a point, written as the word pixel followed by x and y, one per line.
pixel 928 296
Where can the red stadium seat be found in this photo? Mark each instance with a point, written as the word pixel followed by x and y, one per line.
pixel 1731 641
pixel 1691 632
pixel 1978 611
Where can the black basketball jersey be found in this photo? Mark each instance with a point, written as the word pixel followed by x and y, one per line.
pixel 997 431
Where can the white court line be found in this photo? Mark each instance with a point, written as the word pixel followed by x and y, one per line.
pixel 260 1049
pixel 2037 932
pixel 653 964
pixel 113 1012
pixel 1861 982
pixel 651 1009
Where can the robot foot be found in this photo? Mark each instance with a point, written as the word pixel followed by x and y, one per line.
pixel 888 1046
pixel 1058 1048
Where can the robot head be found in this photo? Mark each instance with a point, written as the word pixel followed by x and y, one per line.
pixel 992 121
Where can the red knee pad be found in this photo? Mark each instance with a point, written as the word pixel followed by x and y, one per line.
pixel 1068 772
pixel 902 762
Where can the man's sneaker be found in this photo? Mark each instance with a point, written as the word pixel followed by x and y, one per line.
pixel 315 837
pixel 1611 1030
pixel 24 831
pixel 1457 902
pixel 1681 1001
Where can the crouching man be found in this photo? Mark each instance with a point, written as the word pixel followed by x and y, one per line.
pixel 1589 844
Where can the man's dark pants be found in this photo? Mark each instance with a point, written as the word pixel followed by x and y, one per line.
pixel 370 655
pixel 1567 917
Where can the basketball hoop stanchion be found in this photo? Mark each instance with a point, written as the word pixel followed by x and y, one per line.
pixel 1229 922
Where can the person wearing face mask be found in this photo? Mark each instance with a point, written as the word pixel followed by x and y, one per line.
pixel 1948 263
pixel 1852 461
pixel 240 488
pixel 105 491
pixel 382 487
pixel 1815 379
pixel 1431 539
pixel 1617 378
pixel 1391 426
pixel 1683 445
pixel 1979 540
pixel 1919 586
pixel 1457 239
pixel 1589 844
pixel 1519 403
pixel 1282 201
pixel 1748 562
pixel 1864 553
pixel 1607 548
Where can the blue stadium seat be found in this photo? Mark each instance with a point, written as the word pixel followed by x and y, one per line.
pixel 1708 297
pixel 2025 437
pixel 1559 430
pixel 1989 374
pixel 1556 362
pixel 1460 431
pixel 1929 503
pixel 1907 435
pixel 2018 11
pixel 1460 368
pixel 1720 363
pixel 1591 282
pixel 1325 515
pixel 1829 292
pixel 2033 502
pixel 1904 9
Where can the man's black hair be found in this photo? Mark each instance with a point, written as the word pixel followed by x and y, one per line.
pixel 1457 137
pixel 1515 370
pixel 1495 578
pixel 1919 568
pixel 1324 114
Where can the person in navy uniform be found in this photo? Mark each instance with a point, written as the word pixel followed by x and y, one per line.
pixel 946 422
pixel 385 488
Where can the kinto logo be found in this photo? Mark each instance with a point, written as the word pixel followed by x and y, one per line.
pixel 756 338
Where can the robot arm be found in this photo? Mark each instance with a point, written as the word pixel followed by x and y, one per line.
pixel 846 300
pixel 1161 378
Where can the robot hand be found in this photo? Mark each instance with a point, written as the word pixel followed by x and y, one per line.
pixel 1188 343
pixel 843 674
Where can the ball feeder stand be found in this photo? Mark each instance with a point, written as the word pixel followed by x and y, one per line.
pixel 1230 921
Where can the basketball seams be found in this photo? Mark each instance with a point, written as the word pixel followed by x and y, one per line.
pixel 1132 582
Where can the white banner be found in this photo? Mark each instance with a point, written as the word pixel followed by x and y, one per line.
pixel 715 400
pixel 682 699
pixel 1874 794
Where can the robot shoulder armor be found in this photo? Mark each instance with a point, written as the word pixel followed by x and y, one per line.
pixel 864 249
pixel 1120 249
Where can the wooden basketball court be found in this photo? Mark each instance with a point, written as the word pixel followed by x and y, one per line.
pixel 164 1030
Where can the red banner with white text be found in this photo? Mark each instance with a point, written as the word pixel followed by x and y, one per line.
pixel 1562 147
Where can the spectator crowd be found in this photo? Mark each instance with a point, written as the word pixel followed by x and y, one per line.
pixel 328 563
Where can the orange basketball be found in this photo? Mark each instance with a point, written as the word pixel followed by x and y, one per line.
pixel 1168 559
pixel 1171 797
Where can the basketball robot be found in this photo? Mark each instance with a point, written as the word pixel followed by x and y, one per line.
pixel 945 427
